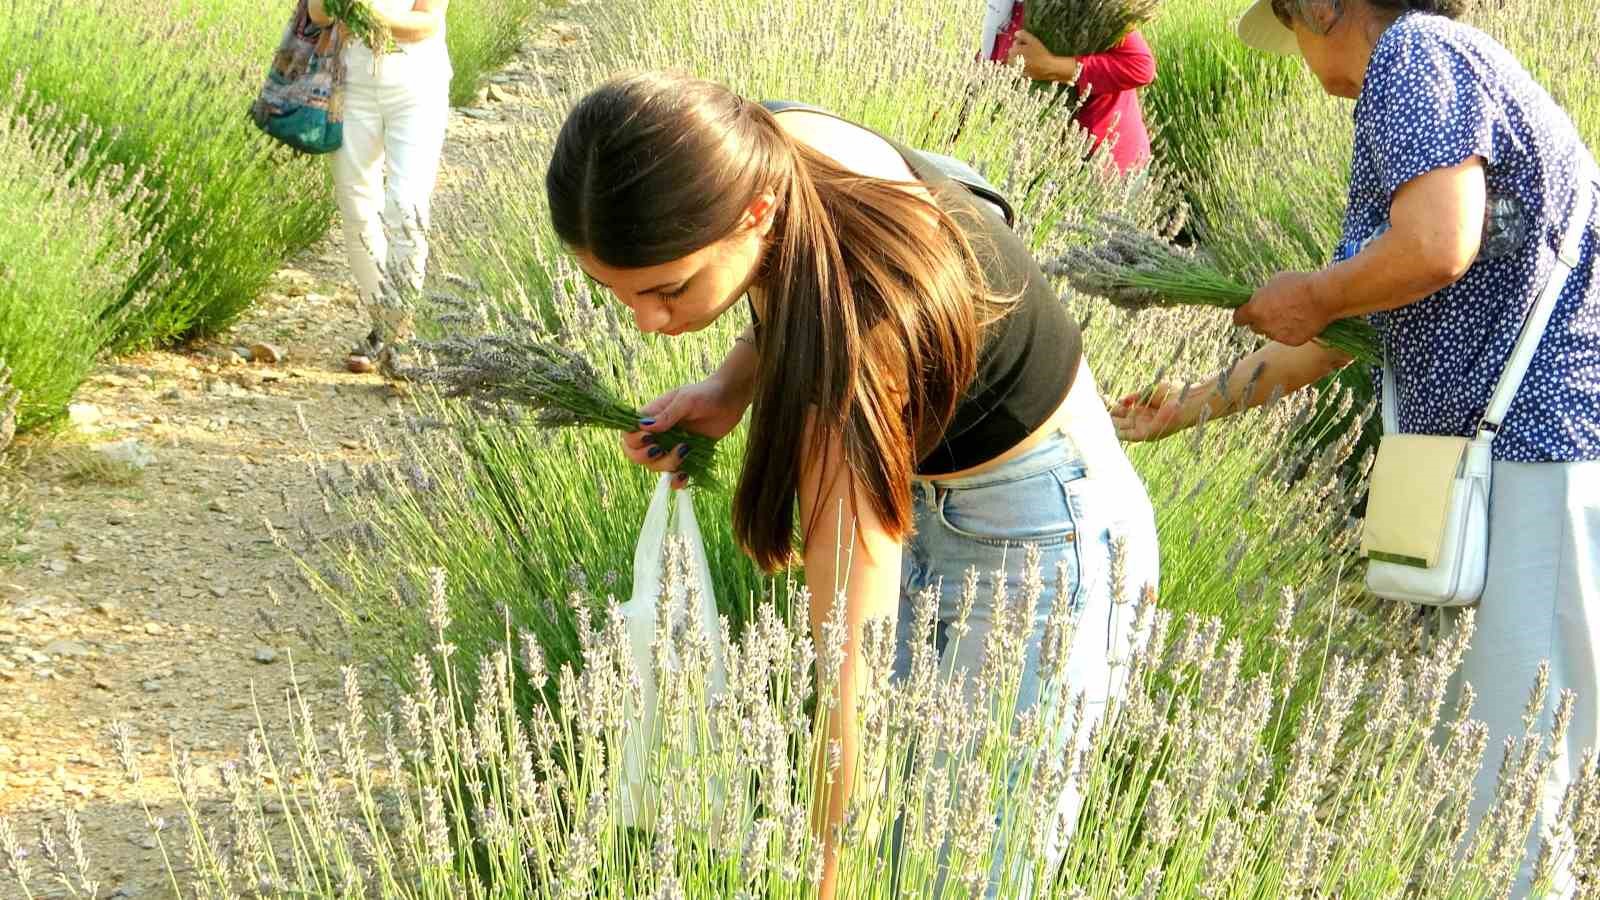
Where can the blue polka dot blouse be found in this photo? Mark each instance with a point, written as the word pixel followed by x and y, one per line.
pixel 1436 93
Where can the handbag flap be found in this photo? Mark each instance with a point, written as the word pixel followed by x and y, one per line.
pixel 1408 504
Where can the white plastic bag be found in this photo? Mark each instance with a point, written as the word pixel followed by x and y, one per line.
pixel 635 796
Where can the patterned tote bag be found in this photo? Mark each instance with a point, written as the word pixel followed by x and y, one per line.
pixel 302 102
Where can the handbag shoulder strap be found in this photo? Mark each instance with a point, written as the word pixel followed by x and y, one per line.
pixel 1567 258
pixel 1391 418
pixel 1533 327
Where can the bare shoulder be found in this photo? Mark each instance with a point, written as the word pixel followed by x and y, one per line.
pixel 854 148
pixel 851 146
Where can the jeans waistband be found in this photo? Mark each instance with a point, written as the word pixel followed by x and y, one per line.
pixel 1056 450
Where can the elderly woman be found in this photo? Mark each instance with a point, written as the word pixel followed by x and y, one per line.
pixel 396 108
pixel 1466 179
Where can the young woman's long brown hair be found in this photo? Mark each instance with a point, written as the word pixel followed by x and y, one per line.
pixel 873 300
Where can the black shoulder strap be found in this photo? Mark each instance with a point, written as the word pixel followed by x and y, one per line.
pixel 949 166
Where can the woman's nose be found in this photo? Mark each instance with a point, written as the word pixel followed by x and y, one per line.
pixel 650 317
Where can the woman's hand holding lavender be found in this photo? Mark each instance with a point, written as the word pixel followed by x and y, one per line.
pixel 1139 270
pixel 711 408
pixel 510 375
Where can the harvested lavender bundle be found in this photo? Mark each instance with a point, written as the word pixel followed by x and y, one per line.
pixel 1138 270
pixel 505 375
pixel 362 21
pixel 1082 27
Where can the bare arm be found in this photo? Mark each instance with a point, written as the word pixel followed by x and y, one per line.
pixel 1435 228
pixel 855 555
pixel 319 13
pixel 738 370
pixel 1274 370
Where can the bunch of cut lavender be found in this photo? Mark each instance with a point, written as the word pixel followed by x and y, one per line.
pixel 504 375
pixel 359 17
pixel 1137 270
pixel 1082 27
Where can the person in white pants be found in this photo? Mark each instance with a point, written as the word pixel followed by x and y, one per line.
pixel 396 108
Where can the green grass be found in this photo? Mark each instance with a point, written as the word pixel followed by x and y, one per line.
pixel 1207 84
pixel 68 247
pixel 483 35
pixel 535 525
pixel 165 211
pixel 1558 43
pixel 168 84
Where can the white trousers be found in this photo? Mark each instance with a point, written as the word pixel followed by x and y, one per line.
pixel 1541 602
pixel 395 114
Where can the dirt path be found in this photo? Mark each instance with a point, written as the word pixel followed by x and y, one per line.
pixel 156 597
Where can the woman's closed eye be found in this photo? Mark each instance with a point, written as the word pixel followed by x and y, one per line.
pixel 661 291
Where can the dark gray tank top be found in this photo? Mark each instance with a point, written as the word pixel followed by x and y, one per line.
pixel 1029 357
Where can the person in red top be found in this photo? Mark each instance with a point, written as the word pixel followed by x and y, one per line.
pixel 1109 83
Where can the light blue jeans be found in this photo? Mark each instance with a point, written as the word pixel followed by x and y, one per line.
pixel 1084 512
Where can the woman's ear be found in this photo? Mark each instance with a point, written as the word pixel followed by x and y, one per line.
pixel 760 214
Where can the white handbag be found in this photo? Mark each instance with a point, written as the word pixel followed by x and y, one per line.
pixel 1426 534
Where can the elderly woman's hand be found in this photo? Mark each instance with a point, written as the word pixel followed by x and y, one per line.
pixel 1287 309
pixel 1151 414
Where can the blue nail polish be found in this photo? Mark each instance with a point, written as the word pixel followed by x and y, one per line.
pixel 655 452
pixel 683 451
pixel 647 421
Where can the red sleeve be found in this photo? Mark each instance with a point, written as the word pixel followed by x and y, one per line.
pixel 1125 67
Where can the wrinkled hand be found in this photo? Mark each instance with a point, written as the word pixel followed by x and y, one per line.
pixel 1285 310
pixel 705 407
pixel 1038 62
pixel 1150 415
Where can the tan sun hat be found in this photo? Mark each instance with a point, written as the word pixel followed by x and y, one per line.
pixel 1260 28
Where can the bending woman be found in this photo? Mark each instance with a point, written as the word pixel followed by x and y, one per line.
pixel 1466 178
pixel 911 367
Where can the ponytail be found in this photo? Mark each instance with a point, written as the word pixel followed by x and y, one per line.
pixel 875 303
